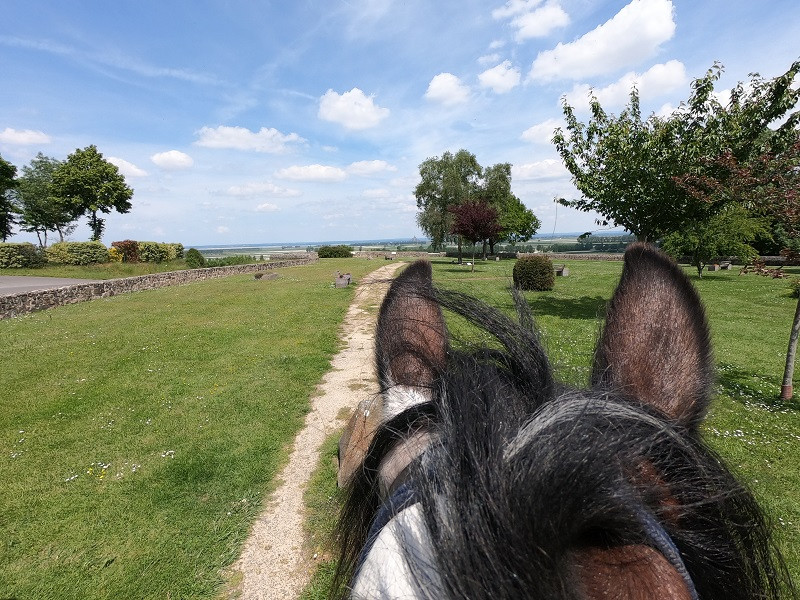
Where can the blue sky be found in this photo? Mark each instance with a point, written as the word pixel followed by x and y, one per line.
pixel 249 122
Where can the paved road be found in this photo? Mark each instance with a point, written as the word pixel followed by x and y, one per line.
pixel 11 284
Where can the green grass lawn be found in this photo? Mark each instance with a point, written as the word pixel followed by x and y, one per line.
pixel 750 318
pixel 140 434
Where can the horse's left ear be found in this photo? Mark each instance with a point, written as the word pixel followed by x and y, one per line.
pixel 655 344
pixel 411 340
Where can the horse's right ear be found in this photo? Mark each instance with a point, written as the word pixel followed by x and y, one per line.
pixel 411 340
pixel 655 343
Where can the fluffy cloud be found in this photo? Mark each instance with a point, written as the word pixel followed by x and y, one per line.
pixel 261 188
pixel 173 160
pixel 502 78
pixel 447 89
pixel 267 207
pixel 353 109
pixel 23 137
pixel 264 140
pixel 548 168
pixel 126 168
pixel 321 173
pixel 223 229
pixel 515 7
pixel 542 133
pixel 656 81
pixel 634 34
pixel 370 167
pixel 539 22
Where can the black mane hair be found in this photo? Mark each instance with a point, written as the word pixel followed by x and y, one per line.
pixel 526 482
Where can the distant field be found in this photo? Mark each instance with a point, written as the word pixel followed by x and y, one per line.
pixel 750 318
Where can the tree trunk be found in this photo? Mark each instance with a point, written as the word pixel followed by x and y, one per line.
pixel 786 388
pixel 484 249
pixel 472 270
pixel 491 247
pixel 460 260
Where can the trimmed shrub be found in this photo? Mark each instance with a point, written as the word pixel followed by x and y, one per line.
pixel 195 260
pixel 115 255
pixel 534 273
pixel 340 251
pixel 153 252
pixel 129 249
pixel 77 253
pixel 178 249
pixel 20 256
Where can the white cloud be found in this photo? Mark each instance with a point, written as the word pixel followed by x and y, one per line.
pixel 447 89
pixel 376 193
pixel 264 140
pixel 540 22
pixel 321 173
pixel 489 59
pixel 128 169
pixel 542 133
pixel 173 160
pixel 548 168
pixel 267 207
pixel 262 188
pixel 633 35
pixel 353 109
pixel 23 137
pixel 223 229
pixel 515 7
pixel 502 78
pixel 655 82
pixel 370 167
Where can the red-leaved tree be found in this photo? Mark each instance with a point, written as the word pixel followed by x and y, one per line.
pixel 475 221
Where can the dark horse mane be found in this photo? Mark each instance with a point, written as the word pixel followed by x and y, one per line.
pixel 531 489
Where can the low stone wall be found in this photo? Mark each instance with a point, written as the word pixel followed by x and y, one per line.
pixel 27 302
pixel 570 256
pixel 402 254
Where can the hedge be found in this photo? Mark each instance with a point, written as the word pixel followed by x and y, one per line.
pixel 77 253
pixel 20 256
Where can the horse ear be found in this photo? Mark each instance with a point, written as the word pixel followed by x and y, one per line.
pixel 655 344
pixel 411 340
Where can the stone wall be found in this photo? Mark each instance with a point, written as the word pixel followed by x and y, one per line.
pixel 20 304
pixel 569 256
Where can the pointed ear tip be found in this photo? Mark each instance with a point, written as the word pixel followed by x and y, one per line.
pixel 419 269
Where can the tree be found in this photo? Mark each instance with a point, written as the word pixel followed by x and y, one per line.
pixel 41 210
pixel 727 233
pixel 475 221
pixel 768 184
pixel 90 184
pixel 8 182
pixel 445 182
pixel 457 178
pixel 517 222
pixel 627 168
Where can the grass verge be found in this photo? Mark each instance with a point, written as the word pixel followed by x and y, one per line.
pixel 140 433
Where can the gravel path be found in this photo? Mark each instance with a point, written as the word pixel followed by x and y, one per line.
pixel 274 563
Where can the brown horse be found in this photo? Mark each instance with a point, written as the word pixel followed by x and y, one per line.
pixel 476 475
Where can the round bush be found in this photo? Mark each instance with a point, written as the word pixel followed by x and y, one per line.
pixel 534 273
pixel 194 260
pixel 77 253
pixel 341 251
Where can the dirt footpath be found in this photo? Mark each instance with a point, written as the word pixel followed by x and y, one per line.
pixel 274 563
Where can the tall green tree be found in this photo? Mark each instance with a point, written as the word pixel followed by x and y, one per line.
pixel 90 184
pixel 445 182
pixel 8 182
pixel 626 167
pixel 517 222
pixel 41 210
